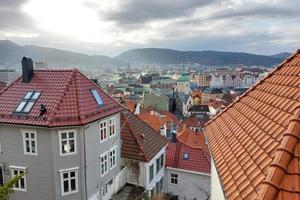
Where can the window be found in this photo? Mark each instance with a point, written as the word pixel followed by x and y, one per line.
pixel 67 142
pixel 151 172
pixel 159 186
pixel 27 102
pixel 159 163
pixel 97 97
pixel 174 179
pixel 29 142
pixel 104 190
pixel 1 175
pixel 69 181
pixel 112 126
pixel 112 157
pixel 20 185
pixel 104 163
pixel 185 156
pixel 103 131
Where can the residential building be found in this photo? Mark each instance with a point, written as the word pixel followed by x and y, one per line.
pixel 183 84
pixel 201 79
pixel 159 102
pixel 255 142
pixel 211 93
pixel 63 132
pixel 143 154
pixel 188 166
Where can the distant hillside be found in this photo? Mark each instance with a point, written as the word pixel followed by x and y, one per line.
pixel 12 53
pixel 169 56
pixel 282 55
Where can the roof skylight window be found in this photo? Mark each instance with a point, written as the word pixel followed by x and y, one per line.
pixel 185 156
pixel 97 97
pixel 28 102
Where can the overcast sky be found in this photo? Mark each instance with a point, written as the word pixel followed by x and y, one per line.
pixel 109 27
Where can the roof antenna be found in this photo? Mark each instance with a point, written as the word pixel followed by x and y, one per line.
pixel 42 109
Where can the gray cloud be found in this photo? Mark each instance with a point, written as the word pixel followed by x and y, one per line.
pixel 132 12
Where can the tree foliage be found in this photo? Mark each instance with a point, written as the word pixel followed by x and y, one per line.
pixel 7 188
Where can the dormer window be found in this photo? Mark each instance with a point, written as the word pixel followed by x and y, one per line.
pixel 28 102
pixel 97 97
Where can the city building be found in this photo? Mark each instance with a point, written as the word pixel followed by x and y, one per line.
pixel 211 93
pixel 183 84
pixel 188 166
pixel 201 79
pixel 255 142
pixel 63 132
pixel 143 154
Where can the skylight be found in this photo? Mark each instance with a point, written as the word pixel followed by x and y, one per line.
pixel 97 97
pixel 185 156
pixel 28 102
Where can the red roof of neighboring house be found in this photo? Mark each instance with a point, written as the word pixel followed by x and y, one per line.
pixel 130 105
pixel 156 119
pixel 66 95
pixel 255 142
pixel 194 139
pixel 140 141
pixel 192 121
pixel 198 159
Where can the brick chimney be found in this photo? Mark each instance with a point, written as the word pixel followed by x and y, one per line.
pixel 27 69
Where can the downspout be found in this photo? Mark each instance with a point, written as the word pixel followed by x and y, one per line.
pixel 84 161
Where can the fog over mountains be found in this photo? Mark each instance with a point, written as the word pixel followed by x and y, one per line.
pixel 11 54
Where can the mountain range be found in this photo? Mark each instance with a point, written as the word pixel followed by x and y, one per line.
pixel 11 54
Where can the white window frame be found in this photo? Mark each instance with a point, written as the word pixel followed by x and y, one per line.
pixel 111 122
pixel 105 161
pixel 67 139
pixel 104 128
pixel 62 179
pixel 113 149
pixel 18 168
pixel 30 140
pixel 172 179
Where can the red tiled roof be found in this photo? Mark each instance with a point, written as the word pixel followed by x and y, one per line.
pixel 158 118
pixel 255 141
pixel 199 160
pixel 194 139
pixel 130 105
pixel 192 121
pixel 140 141
pixel 66 94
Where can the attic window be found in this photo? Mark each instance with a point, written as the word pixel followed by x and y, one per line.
pixel 97 97
pixel 28 102
pixel 185 156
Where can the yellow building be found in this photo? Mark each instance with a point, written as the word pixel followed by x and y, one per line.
pixel 208 94
pixel 201 79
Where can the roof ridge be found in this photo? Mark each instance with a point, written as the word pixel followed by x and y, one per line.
pixel 57 103
pixel 279 66
pixel 282 158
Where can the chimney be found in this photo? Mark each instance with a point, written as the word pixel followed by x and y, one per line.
pixel 27 69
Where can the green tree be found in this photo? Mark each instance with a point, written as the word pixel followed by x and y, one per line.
pixel 7 188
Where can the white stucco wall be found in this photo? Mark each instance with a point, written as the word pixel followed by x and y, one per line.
pixel 216 188
pixel 188 184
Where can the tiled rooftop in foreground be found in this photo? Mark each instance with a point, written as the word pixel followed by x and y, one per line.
pixel 255 142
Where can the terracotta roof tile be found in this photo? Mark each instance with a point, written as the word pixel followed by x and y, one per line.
pixel 66 94
pixel 255 141
pixel 140 141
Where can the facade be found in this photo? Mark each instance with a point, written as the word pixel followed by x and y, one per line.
pixel 160 102
pixel 201 79
pixel 143 153
pixel 255 141
pixel 68 148
pixel 211 93
pixel 183 84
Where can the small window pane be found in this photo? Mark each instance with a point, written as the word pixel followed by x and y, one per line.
pixel 28 106
pixel 28 95
pixel 66 186
pixel 71 135
pixel 63 135
pixel 97 97
pixel 73 184
pixel 21 106
pixel 36 95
